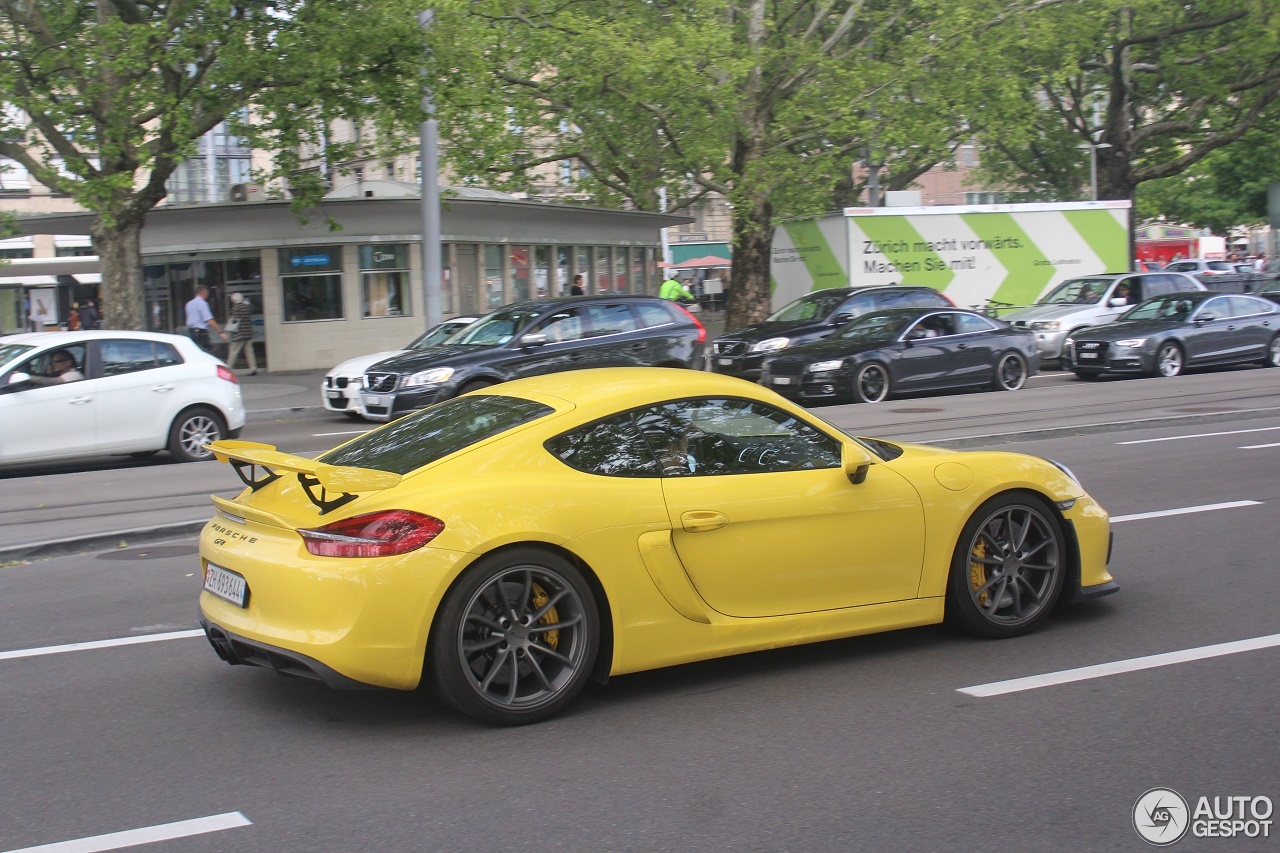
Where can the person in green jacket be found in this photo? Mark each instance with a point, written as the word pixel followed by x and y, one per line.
pixel 675 291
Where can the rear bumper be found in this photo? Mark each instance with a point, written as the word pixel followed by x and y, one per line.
pixel 239 651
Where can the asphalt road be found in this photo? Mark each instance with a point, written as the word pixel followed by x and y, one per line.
pixel 861 744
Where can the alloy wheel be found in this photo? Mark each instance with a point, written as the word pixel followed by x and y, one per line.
pixel 1011 372
pixel 871 384
pixel 197 431
pixel 1014 561
pixel 1169 360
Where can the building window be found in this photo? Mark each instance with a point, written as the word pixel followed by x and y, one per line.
pixel 384 280
pixel 518 257
pixel 493 276
pixel 311 283
pixel 14 254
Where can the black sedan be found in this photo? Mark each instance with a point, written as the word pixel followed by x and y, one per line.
pixel 1168 334
pixel 904 351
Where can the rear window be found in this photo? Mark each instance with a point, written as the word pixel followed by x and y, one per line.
pixel 409 443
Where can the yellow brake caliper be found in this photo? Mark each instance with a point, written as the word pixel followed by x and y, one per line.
pixel 552 638
pixel 978 572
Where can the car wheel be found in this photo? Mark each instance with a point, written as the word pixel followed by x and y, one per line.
pixel 871 383
pixel 516 638
pixel 1008 569
pixel 1011 372
pixel 1088 375
pixel 1273 353
pixel 355 416
pixel 1169 360
pixel 192 431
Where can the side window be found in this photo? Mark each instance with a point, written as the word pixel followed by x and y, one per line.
pixel 610 320
pixel 1216 308
pixel 653 315
pixel 611 448
pixel 726 436
pixel 967 323
pixel 57 365
pixel 1137 288
pixel 1243 306
pixel 933 326
pixel 167 355
pixel 856 306
pixel 564 325
pixel 119 357
pixel 894 299
pixel 925 299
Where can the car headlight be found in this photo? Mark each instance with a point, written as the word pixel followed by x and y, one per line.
pixel 820 366
pixel 771 345
pixel 1132 343
pixel 434 376
pixel 1046 325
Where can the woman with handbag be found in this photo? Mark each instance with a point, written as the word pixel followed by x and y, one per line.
pixel 239 328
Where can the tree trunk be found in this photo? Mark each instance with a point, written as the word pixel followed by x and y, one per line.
pixel 119 248
pixel 750 293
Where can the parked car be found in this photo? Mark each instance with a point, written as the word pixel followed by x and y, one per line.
pixel 813 316
pixel 529 338
pixel 90 393
pixel 904 351
pixel 1166 335
pixel 1272 292
pixel 341 391
pixel 1203 266
pixel 508 546
pixel 1091 301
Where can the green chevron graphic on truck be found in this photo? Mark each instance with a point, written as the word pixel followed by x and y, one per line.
pixel 1108 238
pixel 1027 267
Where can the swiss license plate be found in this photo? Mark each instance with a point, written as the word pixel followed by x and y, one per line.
pixel 225 584
pixel 782 380
pixel 373 401
pixel 1086 355
pixel 726 361
pixel 334 395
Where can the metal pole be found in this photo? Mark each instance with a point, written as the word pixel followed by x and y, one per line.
pixel 1093 172
pixel 428 155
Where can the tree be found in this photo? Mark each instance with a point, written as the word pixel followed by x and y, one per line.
pixel 108 97
pixel 765 103
pixel 1160 83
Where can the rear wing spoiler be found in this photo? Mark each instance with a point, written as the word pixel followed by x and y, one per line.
pixel 246 457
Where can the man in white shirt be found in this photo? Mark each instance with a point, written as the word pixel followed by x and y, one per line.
pixel 200 319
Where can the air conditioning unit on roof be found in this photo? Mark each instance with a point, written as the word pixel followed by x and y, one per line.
pixel 245 192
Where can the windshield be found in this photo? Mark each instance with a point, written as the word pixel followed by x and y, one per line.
pixel 409 443
pixel 1078 291
pixel 881 327
pixel 1174 307
pixel 10 352
pixel 438 335
pixel 815 306
pixel 496 329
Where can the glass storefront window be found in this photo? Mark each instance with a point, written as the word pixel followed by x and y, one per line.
pixel 601 277
pixel 384 280
pixel 493 276
pixel 542 272
pixel 637 270
pixel 311 282
pixel 564 259
pixel 620 271
pixel 583 265
pixel 519 258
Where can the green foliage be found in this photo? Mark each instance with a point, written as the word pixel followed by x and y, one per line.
pixel 1226 189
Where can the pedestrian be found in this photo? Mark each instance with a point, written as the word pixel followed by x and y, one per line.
pixel 674 290
pixel 577 290
pixel 73 319
pixel 240 328
pixel 200 320
pixel 90 319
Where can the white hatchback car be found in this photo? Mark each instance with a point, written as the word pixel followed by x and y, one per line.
pixel 92 393
pixel 341 390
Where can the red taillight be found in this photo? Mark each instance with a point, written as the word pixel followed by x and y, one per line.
pixel 702 330
pixel 227 374
pixel 374 534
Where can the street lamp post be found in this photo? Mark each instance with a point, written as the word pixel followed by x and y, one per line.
pixel 1093 165
pixel 428 156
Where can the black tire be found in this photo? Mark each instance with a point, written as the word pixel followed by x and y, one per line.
pixel 192 430
pixel 1011 372
pixel 475 385
pixel 1088 375
pixel 987 592
pixel 1272 358
pixel 355 416
pixel 516 637
pixel 1170 360
pixel 871 383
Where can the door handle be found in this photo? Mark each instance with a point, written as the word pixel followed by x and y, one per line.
pixel 161 387
pixel 79 401
pixel 701 520
pixel 962 346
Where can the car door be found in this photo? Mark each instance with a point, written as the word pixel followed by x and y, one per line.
pixel 1250 328
pixel 615 336
pixel 1210 337
pixel 926 357
pixel 555 342
pixel 764 519
pixel 977 348
pixel 139 388
pixel 45 418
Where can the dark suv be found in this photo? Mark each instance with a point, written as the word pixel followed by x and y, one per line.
pixel 811 317
pixel 530 338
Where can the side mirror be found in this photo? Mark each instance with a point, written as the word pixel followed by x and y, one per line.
pixel 535 339
pixel 1118 302
pixel 1205 318
pixel 841 318
pixel 856 462
pixel 19 377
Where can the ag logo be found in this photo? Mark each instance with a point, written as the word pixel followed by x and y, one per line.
pixel 1161 816
pixel 219 542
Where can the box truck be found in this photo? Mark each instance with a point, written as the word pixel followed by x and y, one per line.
pixel 1009 253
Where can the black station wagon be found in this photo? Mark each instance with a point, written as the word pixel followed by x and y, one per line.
pixel 531 338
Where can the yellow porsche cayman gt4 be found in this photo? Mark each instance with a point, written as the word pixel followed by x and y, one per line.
pixel 512 543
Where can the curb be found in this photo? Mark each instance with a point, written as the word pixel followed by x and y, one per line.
pixel 100 541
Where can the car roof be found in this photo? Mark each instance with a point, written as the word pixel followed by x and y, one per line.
pixel 618 388
pixel 845 291
pixel 41 338
pixel 560 301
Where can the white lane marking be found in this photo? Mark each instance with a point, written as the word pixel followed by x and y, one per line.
pixel 100 644
pixel 145 835
pixel 1186 510
pixel 1197 435
pixel 349 432
pixel 1084 673
pixel 1259 446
